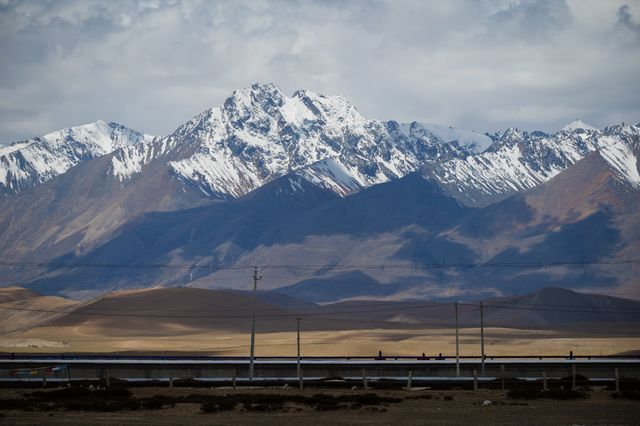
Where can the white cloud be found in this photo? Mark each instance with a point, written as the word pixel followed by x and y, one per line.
pixel 481 65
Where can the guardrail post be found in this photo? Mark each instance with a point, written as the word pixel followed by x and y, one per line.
pixel 364 379
pixel 502 376
pixel 409 376
pixel 44 382
pixel 233 380
pixel 475 380
pixel 301 378
pixel 544 381
pixel 573 377
pixel 616 373
pixel 170 382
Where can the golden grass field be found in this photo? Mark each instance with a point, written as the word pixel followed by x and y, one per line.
pixel 43 329
pixel 320 343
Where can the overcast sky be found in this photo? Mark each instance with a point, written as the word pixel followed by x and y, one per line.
pixel 480 65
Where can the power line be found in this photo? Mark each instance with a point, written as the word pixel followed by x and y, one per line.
pixel 322 267
pixel 280 315
pixel 332 307
pixel 498 304
pixel 618 311
pixel 310 314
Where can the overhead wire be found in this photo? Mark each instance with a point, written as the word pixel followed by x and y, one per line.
pixel 145 314
pixel 322 267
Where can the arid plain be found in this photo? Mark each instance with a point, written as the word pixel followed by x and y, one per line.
pixel 183 320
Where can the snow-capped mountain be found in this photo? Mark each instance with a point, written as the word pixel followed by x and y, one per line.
pixel 305 179
pixel 259 134
pixel 520 160
pixel 27 163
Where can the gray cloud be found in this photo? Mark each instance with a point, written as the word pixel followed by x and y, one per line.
pixel 533 19
pixel 626 19
pixel 481 65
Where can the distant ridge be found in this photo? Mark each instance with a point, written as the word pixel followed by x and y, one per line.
pixel 172 311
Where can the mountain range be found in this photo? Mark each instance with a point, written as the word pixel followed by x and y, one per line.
pixel 332 205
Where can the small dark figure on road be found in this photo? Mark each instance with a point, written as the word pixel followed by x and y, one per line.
pixel 570 354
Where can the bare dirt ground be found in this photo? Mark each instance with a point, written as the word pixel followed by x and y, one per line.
pixel 423 407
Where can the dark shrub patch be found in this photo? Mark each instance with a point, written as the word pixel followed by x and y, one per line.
pixel 328 407
pixel 263 407
pixel 551 394
pixel 84 399
pixel 564 394
pixel 258 402
pixel 152 404
pixel 18 404
pixel 156 402
pixel 324 400
pixel 524 393
pixel 103 405
pixel 633 395
pixel 427 396
pixel 366 399
pixel 373 399
pixel 448 398
pixel 210 407
pixel 68 393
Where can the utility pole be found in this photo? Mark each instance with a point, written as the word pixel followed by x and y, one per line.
pixel 482 335
pixel 457 343
pixel 299 369
pixel 253 321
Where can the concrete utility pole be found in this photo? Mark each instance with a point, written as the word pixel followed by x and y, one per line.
pixel 253 321
pixel 457 343
pixel 299 369
pixel 482 336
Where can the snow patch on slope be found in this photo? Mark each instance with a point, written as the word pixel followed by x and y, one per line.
pixel 333 175
pixel 295 111
pixel 621 159
pixel 472 141
pixel 130 160
pixel 217 175
pixel 517 162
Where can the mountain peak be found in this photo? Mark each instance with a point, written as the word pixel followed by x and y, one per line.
pixel 37 160
pixel 264 95
pixel 578 124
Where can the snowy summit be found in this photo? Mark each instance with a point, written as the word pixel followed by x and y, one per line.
pixel 578 124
